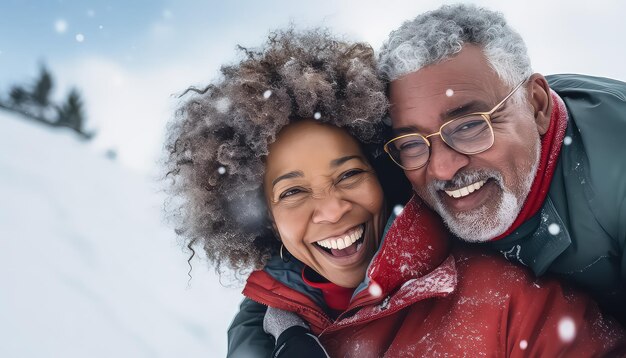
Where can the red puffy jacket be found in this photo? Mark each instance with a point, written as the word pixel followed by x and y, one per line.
pixel 423 298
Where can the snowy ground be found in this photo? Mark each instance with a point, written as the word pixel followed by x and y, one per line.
pixel 87 268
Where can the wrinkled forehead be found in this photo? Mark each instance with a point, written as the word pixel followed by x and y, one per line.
pixel 460 85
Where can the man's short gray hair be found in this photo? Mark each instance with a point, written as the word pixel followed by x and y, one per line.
pixel 440 34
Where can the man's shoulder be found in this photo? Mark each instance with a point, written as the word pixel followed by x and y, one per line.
pixel 568 82
pixel 488 267
pixel 491 272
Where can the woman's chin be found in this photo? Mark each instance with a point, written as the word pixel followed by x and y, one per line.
pixel 348 279
pixel 350 276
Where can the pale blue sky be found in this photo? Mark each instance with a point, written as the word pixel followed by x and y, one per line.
pixel 135 54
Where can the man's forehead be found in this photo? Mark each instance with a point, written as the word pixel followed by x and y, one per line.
pixel 438 101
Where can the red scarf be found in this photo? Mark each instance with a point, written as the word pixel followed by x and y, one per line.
pixel 550 150
pixel 337 298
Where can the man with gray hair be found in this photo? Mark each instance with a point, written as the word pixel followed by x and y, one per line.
pixel 532 166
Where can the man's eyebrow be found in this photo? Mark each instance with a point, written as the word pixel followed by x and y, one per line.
pixel 405 130
pixel 466 108
pixel 290 175
pixel 337 162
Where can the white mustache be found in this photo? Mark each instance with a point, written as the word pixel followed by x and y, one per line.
pixel 463 179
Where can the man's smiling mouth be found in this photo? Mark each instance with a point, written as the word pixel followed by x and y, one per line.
pixel 466 190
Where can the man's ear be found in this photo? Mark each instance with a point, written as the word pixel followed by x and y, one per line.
pixel 541 100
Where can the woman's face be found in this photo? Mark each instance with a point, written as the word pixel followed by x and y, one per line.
pixel 325 200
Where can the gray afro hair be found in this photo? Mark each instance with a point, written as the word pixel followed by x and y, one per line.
pixel 440 34
pixel 217 142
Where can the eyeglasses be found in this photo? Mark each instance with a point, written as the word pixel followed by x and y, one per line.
pixel 469 134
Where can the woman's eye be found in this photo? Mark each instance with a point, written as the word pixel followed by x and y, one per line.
pixel 289 192
pixel 350 173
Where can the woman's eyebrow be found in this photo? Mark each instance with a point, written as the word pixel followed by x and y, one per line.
pixel 290 175
pixel 337 162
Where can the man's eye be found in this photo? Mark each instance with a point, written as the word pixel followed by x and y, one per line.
pixel 412 145
pixel 470 126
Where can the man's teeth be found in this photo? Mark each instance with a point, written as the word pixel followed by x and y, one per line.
pixel 342 242
pixel 465 191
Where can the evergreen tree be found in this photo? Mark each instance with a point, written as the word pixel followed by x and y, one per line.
pixel 71 114
pixel 42 88
pixel 34 103
pixel 19 96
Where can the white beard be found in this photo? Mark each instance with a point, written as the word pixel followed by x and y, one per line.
pixel 476 225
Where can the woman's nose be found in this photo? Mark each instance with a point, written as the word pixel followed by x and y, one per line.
pixel 330 209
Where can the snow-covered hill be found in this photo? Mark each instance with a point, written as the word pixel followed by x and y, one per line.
pixel 87 268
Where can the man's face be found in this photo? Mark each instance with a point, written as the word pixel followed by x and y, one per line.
pixel 478 196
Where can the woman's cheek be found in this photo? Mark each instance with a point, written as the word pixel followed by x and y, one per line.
pixel 291 228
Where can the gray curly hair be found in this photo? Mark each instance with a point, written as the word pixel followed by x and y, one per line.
pixel 218 140
pixel 440 34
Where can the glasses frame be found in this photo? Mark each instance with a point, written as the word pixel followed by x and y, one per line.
pixel 486 116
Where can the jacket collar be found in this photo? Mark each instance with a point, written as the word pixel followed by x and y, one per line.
pixel 412 262
pixel 413 245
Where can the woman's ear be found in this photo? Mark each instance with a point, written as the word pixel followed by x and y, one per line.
pixel 273 225
pixel 276 233
pixel 541 101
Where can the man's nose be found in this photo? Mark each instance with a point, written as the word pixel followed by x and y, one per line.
pixel 444 162
pixel 330 208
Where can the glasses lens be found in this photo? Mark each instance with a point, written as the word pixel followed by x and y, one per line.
pixel 468 135
pixel 410 151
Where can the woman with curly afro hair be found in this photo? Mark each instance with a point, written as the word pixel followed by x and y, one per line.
pixel 218 143
pixel 276 159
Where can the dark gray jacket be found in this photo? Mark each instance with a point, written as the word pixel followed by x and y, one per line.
pixel 586 203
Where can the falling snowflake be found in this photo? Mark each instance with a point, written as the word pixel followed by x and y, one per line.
pixel 398 209
pixel 567 329
pixel 567 140
pixel 91 13
pixel 449 92
pixel 101 27
pixel 60 26
pixel 221 170
pixel 554 229
pixel 317 115
pixel 80 37
pixel 222 105
pixel 267 94
pixel 523 344
pixel 375 289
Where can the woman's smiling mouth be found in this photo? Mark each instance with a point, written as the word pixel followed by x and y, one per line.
pixel 344 245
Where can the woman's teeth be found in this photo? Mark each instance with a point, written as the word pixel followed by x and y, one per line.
pixel 341 243
pixel 465 191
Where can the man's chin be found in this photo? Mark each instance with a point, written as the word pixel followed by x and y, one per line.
pixel 478 225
